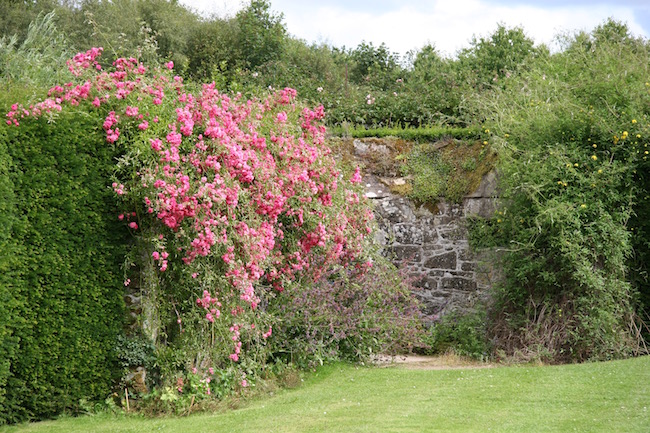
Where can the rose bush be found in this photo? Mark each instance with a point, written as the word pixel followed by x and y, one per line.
pixel 232 203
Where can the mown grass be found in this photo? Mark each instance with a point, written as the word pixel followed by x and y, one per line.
pixel 596 397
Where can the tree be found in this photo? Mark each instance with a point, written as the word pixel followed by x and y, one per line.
pixel 18 14
pixel 497 56
pixel 261 34
pixel 211 51
pixel 376 66
pixel 171 25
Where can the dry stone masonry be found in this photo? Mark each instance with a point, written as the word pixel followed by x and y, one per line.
pixel 432 242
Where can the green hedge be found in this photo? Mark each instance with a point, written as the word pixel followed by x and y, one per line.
pixel 424 134
pixel 7 267
pixel 60 267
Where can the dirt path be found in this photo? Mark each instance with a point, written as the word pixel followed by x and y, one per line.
pixel 419 362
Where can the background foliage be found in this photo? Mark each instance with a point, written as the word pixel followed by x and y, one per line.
pixel 366 85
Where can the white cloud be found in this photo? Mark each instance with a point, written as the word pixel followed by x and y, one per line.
pixel 446 24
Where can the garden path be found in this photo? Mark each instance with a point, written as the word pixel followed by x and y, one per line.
pixel 421 362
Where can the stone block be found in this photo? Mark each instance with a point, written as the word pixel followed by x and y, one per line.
pixel 452 233
pixel 404 253
pixel 487 188
pixel 466 255
pixel 458 284
pixel 447 273
pixel 381 237
pixel 432 248
pixel 441 294
pixel 429 234
pixel 421 281
pixel 136 379
pixel 395 210
pixel 432 310
pixel 408 234
pixel 483 207
pixel 442 261
pixel 365 148
pixel 468 266
pixel 383 223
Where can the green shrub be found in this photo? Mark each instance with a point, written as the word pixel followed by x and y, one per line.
pixel 429 171
pixel 463 334
pixel 135 351
pixel 572 136
pixel 493 59
pixel 37 60
pixel 349 314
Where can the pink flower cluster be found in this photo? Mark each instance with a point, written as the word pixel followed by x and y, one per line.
pixel 235 338
pixel 209 304
pixel 82 61
pixel 161 258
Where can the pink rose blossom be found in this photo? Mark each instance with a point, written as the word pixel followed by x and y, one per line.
pixel 356 177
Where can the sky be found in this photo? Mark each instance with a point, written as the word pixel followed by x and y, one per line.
pixel 407 25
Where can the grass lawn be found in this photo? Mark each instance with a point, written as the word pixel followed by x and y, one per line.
pixel 596 397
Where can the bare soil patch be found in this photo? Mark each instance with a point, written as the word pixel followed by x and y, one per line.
pixel 421 362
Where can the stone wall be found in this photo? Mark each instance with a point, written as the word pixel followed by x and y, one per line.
pixel 432 242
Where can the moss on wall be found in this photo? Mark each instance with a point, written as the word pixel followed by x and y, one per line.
pixel 444 169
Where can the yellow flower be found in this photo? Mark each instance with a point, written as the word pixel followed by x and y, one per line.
pixel 600 171
pixel 485 142
pixel 594 157
pixel 576 165
pixel 595 145
pixel 624 135
pixel 638 136
pixel 633 120
pixel 583 206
